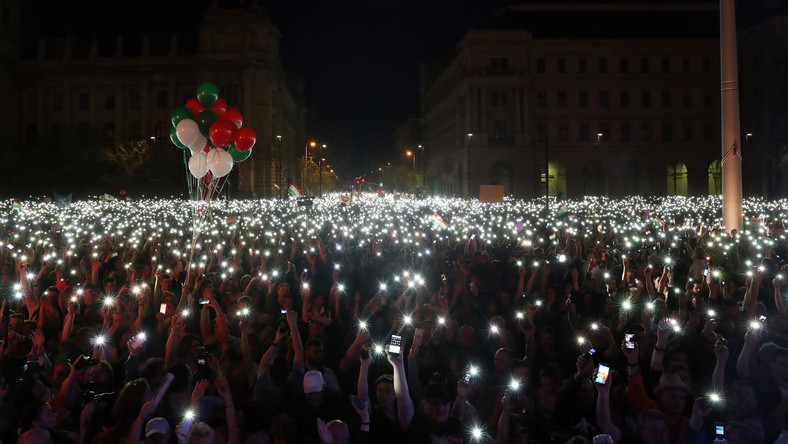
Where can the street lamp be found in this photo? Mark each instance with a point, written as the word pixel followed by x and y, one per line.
pixel 306 158
pixel 747 138
pixel 598 137
pixel 279 172
pixel 410 153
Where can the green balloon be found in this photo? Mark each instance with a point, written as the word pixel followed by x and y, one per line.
pixel 181 113
pixel 239 156
pixel 175 139
pixel 207 93
pixel 205 120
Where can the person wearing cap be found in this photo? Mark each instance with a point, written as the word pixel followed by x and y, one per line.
pixel 315 402
pixel 157 431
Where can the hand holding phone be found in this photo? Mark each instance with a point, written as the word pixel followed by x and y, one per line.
pixel 629 341
pixel 395 344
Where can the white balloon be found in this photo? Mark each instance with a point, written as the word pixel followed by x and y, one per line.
pixel 220 162
pixel 198 145
pixel 187 131
pixel 198 165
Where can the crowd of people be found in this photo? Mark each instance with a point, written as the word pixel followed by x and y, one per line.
pixel 387 319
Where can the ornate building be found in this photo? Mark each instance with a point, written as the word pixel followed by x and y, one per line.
pixel 619 99
pixel 69 98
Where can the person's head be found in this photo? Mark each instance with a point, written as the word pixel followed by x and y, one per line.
pixel 282 291
pixel 109 285
pixel 547 337
pixel 313 388
pixel 739 433
pixel 313 352
pixel 384 390
pixel 200 433
pixel 437 402
pixel 466 335
pixel 653 427
pixel 154 371
pixel 742 396
pixel 131 398
pixel 38 414
pixel 502 359
pixel 339 431
pixel 672 394
pixel 157 431
pixel 283 429
pixel 550 378
pixel 779 364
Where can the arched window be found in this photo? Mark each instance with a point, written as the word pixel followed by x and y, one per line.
pixel 677 179
pixel 715 178
pixel 162 133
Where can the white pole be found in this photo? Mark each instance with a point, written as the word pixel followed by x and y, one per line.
pixel 731 141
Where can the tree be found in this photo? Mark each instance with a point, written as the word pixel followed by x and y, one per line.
pixel 128 156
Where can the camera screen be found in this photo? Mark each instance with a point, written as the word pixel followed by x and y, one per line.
pixel 395 344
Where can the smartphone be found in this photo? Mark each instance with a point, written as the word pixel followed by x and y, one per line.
pixel 467 378
pixel 762 318
pixel 591 352
pixel 10 247
pixel 719 430
pixel 705 272
pixel 603 256
pixel 418 334
pixel 395 344
pixel 443 277
pixel 602 373
pixel 204 301
pixel 361 405
pixel 629 341
pixel 163 309
pixel 186 423
pixel 115 254
pixel 283 311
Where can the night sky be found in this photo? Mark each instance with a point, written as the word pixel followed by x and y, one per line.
pixel 359 59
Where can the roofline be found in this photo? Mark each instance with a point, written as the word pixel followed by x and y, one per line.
pixel 615 7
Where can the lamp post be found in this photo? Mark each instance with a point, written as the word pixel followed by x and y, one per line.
pixel 410 153
pixel 306 158
pixel 599 138
pixel 320 174
pixel 423 168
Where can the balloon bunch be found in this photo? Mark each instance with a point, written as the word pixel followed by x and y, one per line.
pixel 216 138
pixel 214 134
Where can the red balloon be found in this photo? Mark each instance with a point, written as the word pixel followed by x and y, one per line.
pixel 222 133
pixel 219 107
pixel 245 139
pixel 195 106
pixel 122 191
pixel 233 115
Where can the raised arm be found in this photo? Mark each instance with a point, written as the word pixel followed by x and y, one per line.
pixel 298 347
pixel 405 409
pixel 603 412
pixel 363 376
pixel 718 376
pixel 744 361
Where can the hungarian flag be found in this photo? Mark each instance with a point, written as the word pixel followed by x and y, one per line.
pixel 658 222
pixel 553 236
pixel 438 221
pixel 294 191
pixel 17 206
pixel 562 211
pixel 276 185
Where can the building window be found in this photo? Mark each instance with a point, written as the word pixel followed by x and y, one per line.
pixel 624 98
pixel 161 99
pixel 583 133
pixel 32 101
pixel 134 99
pixel 162 133
pixel 497 64
pixel 561 98
pixel 583 98
pixel 667 132
pixel 31 135
pixel 685 65
pixel 540 65
pixel 582 65
pixel 541 132
pixel 562 65
pixel 626 132
pixel 57 101
pixel 624 65
pixel 645 98
pixel 84 101
pixel 686 130
pixel 686 100
pixel 109 101
pixel 604 99
pixel 706 64
pixel 57 135
pixel 604 129
pixel 645 130
pixel 602 64
pixel 708 132
pixel 707 99
pixel 541 99
pixel 232 93
pixel 666 98
pixel 498 98
pixel 499 129
pixel 135 130
pixel 563 132
pixel 665 65
pixel 644 65
pixel 109 133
